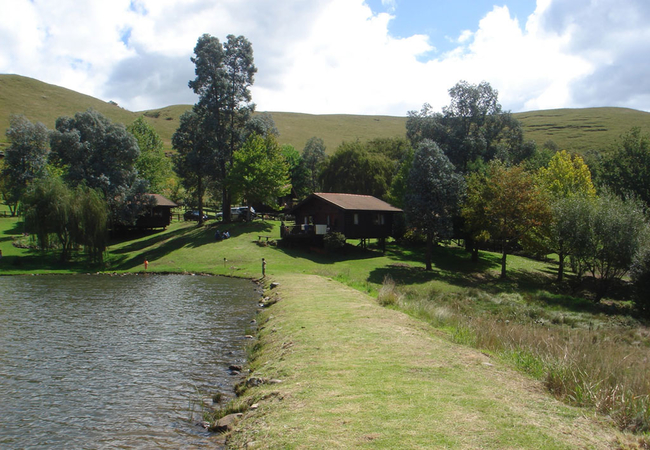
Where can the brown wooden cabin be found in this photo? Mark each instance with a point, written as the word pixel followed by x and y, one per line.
pixel 158 216
pixel 355 216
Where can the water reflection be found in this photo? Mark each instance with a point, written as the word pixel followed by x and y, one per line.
pixel 107 362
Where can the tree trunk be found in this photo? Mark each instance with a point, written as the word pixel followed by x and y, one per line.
pixel 560 267
pixel 475 253
pixel 429 247
pixel 226 205
pixel 199 190
pixel 469 245
pixel 503 260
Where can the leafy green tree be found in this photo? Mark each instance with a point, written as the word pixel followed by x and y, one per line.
pixel 395 149
pixel 259 173
pixel 224 74
pixel 152 164
pixel 626 168
pixel 435 194
pixel 297 171
pixel 564 177
pixel 472 130
pixel 194 161
pixel 314 158
pixel 640 276
pixel 399 186
pixel 618 227
pixel 25 159
pixel 504 204
pixel 101 154
pixel 571 231
pixel 261 124
pixel 353 169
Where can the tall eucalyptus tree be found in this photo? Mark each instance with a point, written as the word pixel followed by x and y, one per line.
pixel 224 74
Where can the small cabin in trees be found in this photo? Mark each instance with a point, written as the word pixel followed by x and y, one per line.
pixel 157 216
pixel 355 216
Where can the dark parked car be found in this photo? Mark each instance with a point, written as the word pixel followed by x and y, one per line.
pixel 193 215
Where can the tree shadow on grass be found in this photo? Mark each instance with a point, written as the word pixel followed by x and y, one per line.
pixel 35 261
pixel 453 265
pixel 322 256
pixel 154 237
pixel 17 229
pixel 161 244
pixel 450 264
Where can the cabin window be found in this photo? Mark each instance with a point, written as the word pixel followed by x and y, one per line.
pixel 328 220
pixel 356 218
pixel 378 219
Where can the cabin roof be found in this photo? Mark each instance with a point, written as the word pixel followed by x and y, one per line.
pixel 354 202
pixel 163 201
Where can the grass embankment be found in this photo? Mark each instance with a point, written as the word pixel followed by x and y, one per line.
pixel 466 302
pixel 355 374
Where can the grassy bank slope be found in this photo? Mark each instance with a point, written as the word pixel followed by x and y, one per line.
pixel 355 374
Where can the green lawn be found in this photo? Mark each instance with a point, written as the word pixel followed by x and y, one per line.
pixel 184 247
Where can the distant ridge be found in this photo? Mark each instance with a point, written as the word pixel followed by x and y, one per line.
pixel 576 130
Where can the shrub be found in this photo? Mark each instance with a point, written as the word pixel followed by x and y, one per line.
pixel 640 275
pixel 388 294
pixel 334 240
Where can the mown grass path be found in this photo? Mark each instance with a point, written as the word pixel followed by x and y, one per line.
pixel 355 374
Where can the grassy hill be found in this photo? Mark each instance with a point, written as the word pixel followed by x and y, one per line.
pixel 581 130
pixel 577 130
pixel 42 102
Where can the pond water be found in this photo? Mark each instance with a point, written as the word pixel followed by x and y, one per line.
pixel 117 362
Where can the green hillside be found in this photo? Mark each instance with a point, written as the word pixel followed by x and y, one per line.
pixel 42 102
pixel 577 130
pixel 581 130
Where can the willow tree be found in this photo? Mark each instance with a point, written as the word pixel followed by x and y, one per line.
pixel 67 217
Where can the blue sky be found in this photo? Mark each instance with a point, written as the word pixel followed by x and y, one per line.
pixel 341 56
pixel 441 20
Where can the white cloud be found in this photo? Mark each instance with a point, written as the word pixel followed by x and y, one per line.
pixel 333 56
